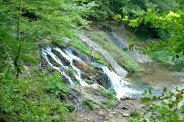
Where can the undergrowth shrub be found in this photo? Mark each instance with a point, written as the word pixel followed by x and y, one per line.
pixel 33 98
pixel 166 108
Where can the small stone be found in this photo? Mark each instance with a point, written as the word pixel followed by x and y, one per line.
pixel 114 113
pixel 87 119
pixel 108 110
pixel 143 105
pixel 101 113
pixel 125 98
pixel 106 118
pixel 126 115
pixel 122 98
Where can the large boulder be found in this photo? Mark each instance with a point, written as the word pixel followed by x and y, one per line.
pixel 79 54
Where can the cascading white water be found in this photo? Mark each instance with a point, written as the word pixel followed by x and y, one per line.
pixel 68 56
pixel 117 83
pixel 44 54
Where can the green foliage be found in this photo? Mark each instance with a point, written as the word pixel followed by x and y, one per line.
pixel 24 23
pixel 70 71
pixel 134 113
pixel 170 107
pixel 165 17
pixel 161 56
pixel 171 22
pixel 101 9
pixel 54 85
pixel 33 98
pixel 29 100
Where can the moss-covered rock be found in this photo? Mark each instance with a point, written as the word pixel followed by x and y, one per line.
pixel 93 97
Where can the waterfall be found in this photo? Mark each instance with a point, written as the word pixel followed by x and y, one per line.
pixel 120 86
pixel 117 68
pixel 68 56
pixel 44 54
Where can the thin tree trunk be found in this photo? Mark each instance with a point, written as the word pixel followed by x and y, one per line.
pixel 16 60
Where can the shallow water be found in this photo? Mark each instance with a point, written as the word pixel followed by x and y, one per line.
pixel 157 76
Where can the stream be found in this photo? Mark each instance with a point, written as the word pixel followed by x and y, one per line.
pixel 155 76
pixel 56 57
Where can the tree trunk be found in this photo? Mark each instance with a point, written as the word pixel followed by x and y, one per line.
pixel 16 60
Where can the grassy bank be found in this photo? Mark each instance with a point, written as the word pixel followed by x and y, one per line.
pixel 122 57
pixel 82 47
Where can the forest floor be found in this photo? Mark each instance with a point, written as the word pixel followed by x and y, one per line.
pixel 121 113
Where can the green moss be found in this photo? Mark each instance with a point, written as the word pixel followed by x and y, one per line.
pixel 109 105
pixel 108 94
pixel 70 71
pixel 87 104
pixel 87 51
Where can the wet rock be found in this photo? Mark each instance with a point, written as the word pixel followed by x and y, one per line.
pixel 118 41
pixel 64 61
pixel 43 64
pixel 53 61
pixel 123 43
pixel 126 98
pixel 125 115
pixel 92 74
pixel 89 79
pixel 80 64
pixel 85 76
pixel 79 54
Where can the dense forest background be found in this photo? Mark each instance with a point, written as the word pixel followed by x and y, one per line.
pixel 25 23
